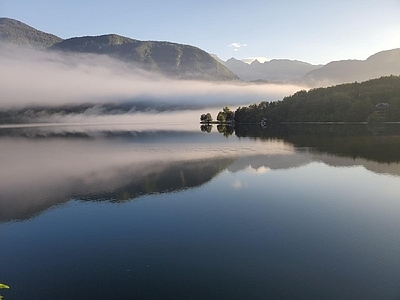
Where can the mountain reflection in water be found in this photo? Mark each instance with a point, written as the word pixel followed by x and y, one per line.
pixel 114 212
pixel 46 166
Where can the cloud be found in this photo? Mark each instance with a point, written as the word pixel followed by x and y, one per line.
pixel 260 170
pixel 237 184
pixel 236 46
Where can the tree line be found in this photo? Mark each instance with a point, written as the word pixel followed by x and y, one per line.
pixel 373 100
pixel 224 116
pixel 353 102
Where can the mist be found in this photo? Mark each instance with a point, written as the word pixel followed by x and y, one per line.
pixel 32 78
pixel 184 120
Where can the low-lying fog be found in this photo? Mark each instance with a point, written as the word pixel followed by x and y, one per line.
pixel 32 78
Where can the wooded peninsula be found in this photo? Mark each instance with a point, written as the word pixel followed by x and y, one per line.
pixel 376 100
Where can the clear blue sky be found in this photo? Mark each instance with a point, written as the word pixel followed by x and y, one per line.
pixel 316 31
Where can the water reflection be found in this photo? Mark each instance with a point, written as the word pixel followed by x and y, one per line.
pixel 114 184
pixel 355 141
pixel 266 216
pixel 48 165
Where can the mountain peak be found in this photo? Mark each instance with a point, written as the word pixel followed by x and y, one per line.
pixel 275 70
pixel 115 39
pixel 383 63
pixel 15 23
pixel 16 32
pixel 92 43
pixel 255 62
pixel 387 55
pixel 109 39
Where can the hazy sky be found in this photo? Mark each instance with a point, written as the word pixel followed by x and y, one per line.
pixel 317 31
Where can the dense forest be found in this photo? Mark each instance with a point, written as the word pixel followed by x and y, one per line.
pixel 373 100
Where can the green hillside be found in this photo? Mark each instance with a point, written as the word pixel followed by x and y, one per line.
pixel 177 60
pixel 353 102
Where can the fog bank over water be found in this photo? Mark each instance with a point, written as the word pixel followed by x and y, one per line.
pixel 185 120
pixel 47 78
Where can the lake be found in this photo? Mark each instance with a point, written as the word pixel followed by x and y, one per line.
pixel 113 212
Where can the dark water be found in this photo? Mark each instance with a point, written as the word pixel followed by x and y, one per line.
pixel 285 213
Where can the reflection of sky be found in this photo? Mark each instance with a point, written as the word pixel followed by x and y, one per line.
pixel 259 170
pixel 274 219
pixel 314 229
pixel 351 190
pixel 347 218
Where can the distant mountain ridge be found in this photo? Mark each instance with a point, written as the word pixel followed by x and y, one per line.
pixel 189 62
pixel 170 59
pixel 383 63
pixel 18 33
pixel 276 70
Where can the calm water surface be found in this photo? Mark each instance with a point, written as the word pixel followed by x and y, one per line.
pixel 116 213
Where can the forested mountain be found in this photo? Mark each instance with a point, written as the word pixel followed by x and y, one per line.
pixel 182 61
pixel 383 63
pixel 376 99
pixel 16 32
pixel 170 59
pixel 276 70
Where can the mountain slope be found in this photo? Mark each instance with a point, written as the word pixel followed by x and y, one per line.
pixel 380 64
pixel 172 59
pixel 16 32
pixel 276 70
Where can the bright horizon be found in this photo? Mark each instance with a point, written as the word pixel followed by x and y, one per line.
pixel 312 31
